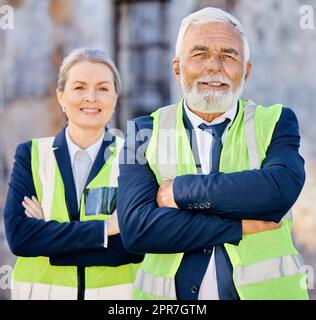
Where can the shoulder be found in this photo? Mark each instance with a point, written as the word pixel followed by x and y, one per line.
pixel 24 149
pixel 288 115
pixel 287 127
pixel 143 122
pixel 283 116
pixel 287 123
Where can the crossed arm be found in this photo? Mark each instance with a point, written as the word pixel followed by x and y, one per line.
pixel 69 243
pixel 159 219
pixel 264 194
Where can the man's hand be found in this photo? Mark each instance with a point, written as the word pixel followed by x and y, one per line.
pixel 165 195
pixel 255 226
pixel 112 225
pixel 33 208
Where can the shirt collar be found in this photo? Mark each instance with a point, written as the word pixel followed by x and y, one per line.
pixel 73 148
pixel 196 120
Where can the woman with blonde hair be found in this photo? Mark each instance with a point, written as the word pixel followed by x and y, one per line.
pixel 60 213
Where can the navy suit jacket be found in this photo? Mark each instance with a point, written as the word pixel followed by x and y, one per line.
pixel 72 243
pixel 264 194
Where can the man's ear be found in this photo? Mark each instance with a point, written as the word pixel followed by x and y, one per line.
pixel 176 69
pixel 248 70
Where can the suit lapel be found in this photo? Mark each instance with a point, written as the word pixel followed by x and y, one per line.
pixel 64 165
pixel 102 156
pixel 192 138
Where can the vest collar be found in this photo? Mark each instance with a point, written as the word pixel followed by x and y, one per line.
pixel 64 164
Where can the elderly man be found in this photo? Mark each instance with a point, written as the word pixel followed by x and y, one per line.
pixel 207 186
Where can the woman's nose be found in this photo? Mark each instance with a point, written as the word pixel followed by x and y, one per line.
pixel 91 95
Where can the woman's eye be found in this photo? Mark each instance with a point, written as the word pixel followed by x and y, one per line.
pixel 79 88
pixel 103 89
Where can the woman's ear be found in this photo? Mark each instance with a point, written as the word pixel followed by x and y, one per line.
pixel 60 98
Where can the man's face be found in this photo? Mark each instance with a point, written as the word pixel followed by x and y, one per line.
pixel 211 67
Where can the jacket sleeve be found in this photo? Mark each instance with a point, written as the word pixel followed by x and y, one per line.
pixel 113 256
pixel 264 194
pixel 146 228
pixel 30 237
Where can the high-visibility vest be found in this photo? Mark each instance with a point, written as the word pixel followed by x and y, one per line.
pixel 34 277
pixel 266 265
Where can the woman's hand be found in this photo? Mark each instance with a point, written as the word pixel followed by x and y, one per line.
pixel 32 208
pixel 112 225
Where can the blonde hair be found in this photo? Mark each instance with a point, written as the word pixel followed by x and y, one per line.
pixel 91 55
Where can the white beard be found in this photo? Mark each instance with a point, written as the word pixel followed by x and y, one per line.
pixel 206 101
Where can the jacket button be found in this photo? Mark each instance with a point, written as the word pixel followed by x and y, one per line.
pixel 202 206
pixel 194 289
pixel 208 251
pixel 190 207
pixel 207 205
pixel 196 206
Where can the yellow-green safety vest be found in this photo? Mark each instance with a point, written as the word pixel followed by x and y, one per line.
pixel 266 265
pixel 34 277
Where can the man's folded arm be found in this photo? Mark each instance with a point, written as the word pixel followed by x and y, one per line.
pixel 145 228
pixel 264 194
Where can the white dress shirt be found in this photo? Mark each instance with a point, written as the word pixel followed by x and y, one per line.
pixel 81 164
pixel 208 289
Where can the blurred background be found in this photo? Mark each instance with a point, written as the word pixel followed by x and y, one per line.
pixel 140 36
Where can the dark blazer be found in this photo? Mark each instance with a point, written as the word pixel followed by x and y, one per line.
pixel 74 243
pixel 264 194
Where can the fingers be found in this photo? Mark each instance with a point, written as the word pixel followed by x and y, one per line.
pixel 29 211
pixel 36 201
pixel 32 208
pixel 35 205
pixel 270 225
pixel 255 226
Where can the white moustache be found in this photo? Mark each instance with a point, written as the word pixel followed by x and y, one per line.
pixel 214 79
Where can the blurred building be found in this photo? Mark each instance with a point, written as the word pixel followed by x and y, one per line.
pixel 140 35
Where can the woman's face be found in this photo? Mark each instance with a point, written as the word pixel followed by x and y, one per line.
pixel 89 97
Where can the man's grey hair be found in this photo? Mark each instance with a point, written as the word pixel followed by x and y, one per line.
pixel 207 15
pixel 91 55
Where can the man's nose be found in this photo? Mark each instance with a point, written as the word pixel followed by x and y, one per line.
pixel 214 64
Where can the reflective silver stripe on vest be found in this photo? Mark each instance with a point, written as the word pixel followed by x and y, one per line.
pixel 46 172
pixel 250 129
pixel 115 163
pixel 167 140
pixel 269 269
pixel 155 285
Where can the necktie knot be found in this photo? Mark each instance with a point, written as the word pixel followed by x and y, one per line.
pixel 215 129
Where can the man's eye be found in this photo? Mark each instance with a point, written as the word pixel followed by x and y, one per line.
pixel 227 56
pixel 79 88
pixel 103 89
pixel 200 54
